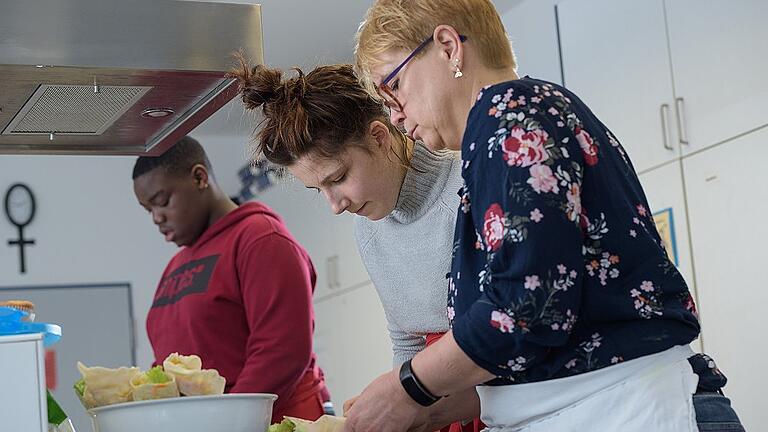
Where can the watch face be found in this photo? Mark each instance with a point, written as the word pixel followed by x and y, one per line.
pixel 19 205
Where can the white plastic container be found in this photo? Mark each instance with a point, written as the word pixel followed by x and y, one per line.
pixel 23 405
pixel 243 412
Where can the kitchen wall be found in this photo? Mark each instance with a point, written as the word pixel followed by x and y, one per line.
pixel 88 229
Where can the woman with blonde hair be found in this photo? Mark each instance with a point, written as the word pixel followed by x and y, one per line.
pixel 336 138
pixel 565 311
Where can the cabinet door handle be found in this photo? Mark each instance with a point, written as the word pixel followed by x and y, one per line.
pixel 664 116
pixel 329 271
pixel 680 111
pixel 332 269
pixel 336 281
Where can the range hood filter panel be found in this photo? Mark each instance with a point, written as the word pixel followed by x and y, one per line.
pixel 63 64
pixel 74 109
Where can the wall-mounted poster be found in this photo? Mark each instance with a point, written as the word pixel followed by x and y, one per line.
pixel 255 178
pixel 665 223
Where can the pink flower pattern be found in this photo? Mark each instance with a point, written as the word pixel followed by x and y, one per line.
pixel 503 322
pixel 588 146
pixel 532 282
pixel 536 215
pixel 525 148
pixel 542 179
pixel 494 227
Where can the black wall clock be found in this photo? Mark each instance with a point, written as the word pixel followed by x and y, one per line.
pixel 20 207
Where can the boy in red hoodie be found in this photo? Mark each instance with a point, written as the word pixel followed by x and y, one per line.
pixel 239 291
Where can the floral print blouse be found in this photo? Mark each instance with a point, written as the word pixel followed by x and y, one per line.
pixel 558 268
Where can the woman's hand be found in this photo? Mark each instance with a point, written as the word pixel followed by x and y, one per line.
pixel 384 406
pixel 443 369
pixel 348 404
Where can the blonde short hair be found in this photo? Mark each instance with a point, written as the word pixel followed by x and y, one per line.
pixel 404 24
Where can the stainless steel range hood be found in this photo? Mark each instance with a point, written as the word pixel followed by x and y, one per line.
pixel 116 76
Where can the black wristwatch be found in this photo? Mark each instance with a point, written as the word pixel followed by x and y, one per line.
pixel 415 388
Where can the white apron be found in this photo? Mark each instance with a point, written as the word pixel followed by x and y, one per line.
pixel 651 393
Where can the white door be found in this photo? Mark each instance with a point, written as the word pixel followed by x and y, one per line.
pixel 351 341
pixel 329 345
pixel 728 202
pixel 720 61
pixel 347 267
pixel 615 58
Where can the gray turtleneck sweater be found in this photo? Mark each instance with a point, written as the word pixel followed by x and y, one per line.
pixel 408 253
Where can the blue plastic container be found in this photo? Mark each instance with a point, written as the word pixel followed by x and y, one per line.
pixel 12 323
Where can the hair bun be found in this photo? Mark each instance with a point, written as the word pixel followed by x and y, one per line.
pixel 259 85
pixel 298 85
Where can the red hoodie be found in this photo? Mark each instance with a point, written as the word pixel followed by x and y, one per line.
pixel 240 297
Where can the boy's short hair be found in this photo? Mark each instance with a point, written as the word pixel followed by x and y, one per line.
pixel 177 160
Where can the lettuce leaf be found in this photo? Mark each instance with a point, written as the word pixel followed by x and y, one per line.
pixel 284 426
pixel 157 376
pixel 80 387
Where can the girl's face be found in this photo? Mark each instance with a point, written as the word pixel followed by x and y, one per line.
pixel 364 180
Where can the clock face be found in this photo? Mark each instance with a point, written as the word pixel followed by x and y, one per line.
pixel 19 204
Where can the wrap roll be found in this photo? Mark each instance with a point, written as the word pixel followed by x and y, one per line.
pixel 102 386
pixel 325 423
pixel 191 379
pixel 154 384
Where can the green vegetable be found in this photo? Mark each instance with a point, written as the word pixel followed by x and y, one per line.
pixel 157 376
pixel 56 415
pixel 284 426
pixel 80 387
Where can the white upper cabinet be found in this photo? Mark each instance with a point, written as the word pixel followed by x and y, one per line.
pixel 615 58
pixel 532 26
pixel 623 56
pixel 720 62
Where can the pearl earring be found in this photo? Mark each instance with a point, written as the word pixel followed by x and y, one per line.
pixel 457 73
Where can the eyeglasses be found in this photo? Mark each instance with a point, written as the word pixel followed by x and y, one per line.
pixel 387 92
